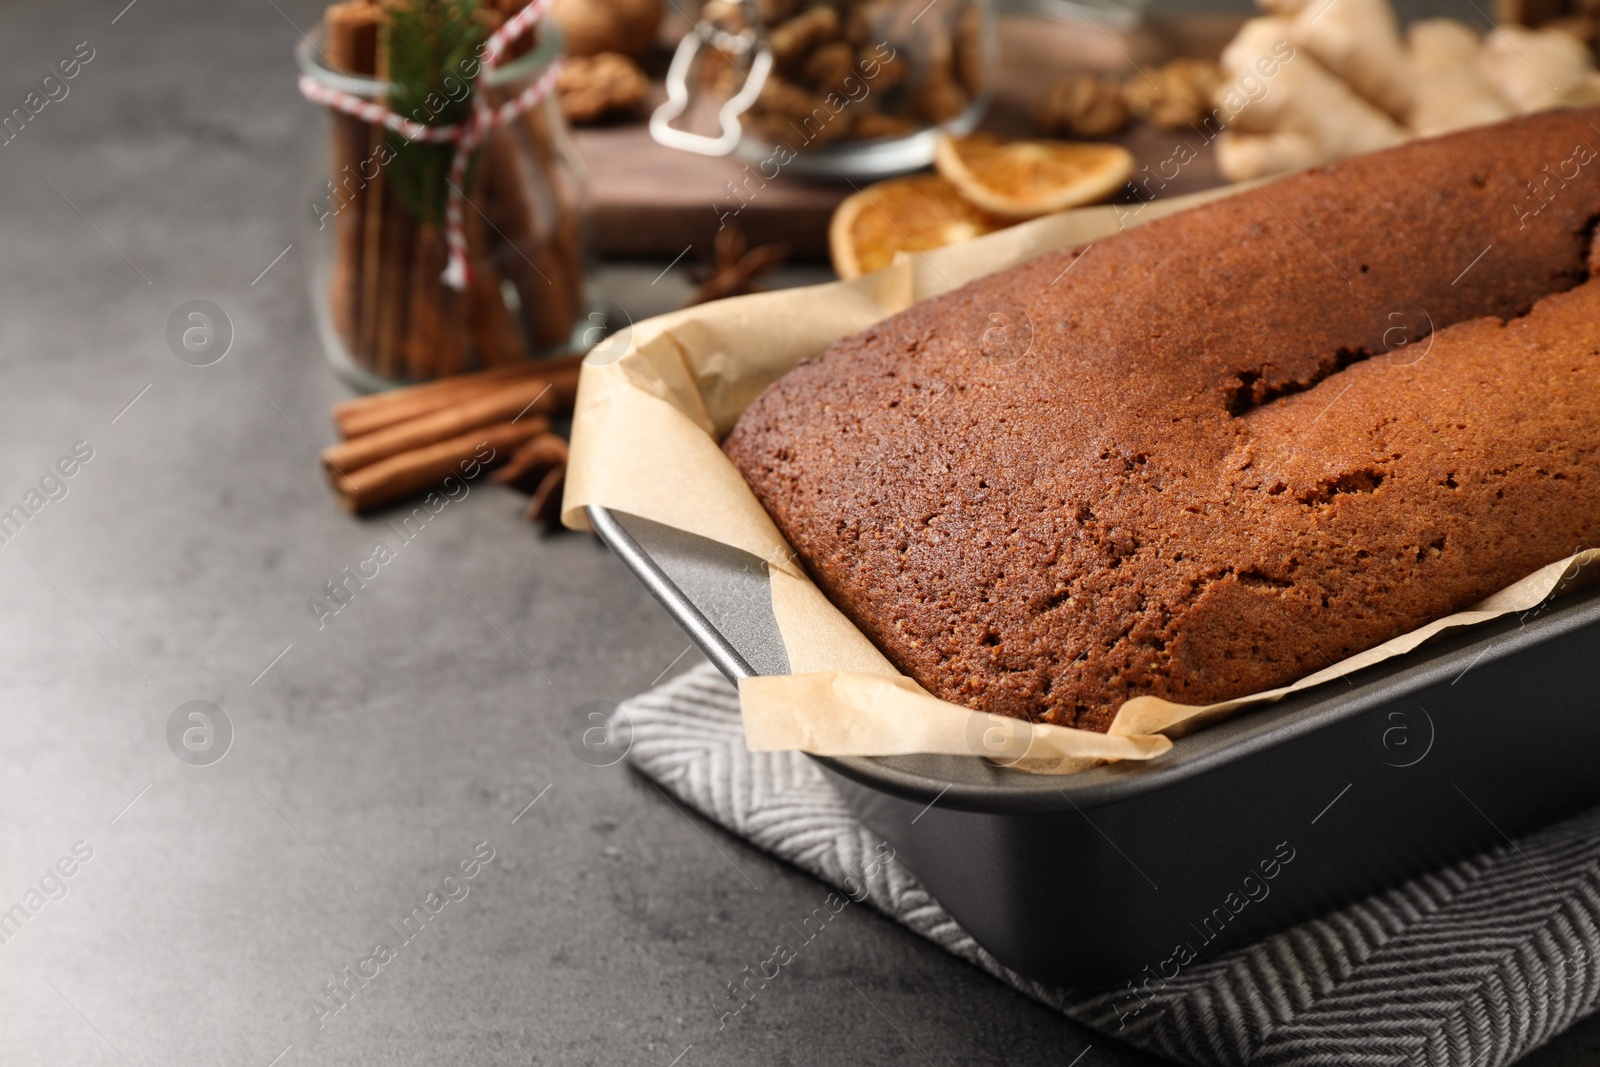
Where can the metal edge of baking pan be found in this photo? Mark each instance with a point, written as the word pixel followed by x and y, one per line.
pixel 719 596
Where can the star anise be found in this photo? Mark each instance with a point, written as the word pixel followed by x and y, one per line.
pixel 733 269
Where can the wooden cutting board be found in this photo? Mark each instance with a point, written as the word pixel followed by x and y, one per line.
pixel 655 203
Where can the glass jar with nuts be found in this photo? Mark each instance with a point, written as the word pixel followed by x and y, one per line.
pixel 835 88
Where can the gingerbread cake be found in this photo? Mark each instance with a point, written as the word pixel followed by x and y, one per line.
pixel 1216 453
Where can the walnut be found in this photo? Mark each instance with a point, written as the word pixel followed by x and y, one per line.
pixel 726 15
pixel 827 68
pixel 595 26
pixel 787 113
pixel 861 24
pixel 1083 105
pixel 784 98
pixel 792 40
pixel 880 73
pixel 836 54
pixel 1175 96
pixel 771 11
pixel 940 98
pixel 594 87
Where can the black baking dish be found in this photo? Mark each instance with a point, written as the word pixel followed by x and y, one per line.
pixel 1271 817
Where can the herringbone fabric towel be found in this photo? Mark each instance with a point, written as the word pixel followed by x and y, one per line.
pixel 1475 965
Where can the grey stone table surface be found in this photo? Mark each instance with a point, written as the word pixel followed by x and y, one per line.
pixel 425 727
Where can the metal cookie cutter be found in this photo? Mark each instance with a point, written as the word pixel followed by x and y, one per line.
pixel 748 50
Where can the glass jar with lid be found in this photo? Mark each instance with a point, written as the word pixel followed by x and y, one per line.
pixel 837 88
pixel 377 224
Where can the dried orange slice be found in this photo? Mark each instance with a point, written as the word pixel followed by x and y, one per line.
pixel 916 214
pixel 1024 179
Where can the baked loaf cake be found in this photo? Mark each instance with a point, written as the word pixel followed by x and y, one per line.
pixel 1216 453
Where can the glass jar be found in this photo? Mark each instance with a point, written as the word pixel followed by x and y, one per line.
pixel 377 233
pixel 844 89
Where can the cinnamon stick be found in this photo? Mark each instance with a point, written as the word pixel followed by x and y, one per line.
pixel 365 414
pixel 351 32
pixel 494 329
pixel 545 261
pixel 516 401
pixel 564 243
pixel 372 218
pixel 394 278
pixel 386 222
pixel 552 315
pixel 409 473
pixel 425 292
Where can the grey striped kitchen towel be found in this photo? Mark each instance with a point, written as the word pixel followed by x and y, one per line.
pixel 1475 965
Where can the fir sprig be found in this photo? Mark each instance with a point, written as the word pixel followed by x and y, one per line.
pixel 432 46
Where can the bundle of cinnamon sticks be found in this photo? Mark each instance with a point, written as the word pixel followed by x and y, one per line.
pixel 403 443
pixel 395 316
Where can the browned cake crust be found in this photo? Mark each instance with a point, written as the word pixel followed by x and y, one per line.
pixel 1219 452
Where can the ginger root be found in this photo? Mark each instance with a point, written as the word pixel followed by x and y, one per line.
pixel 1249 155
pixel 1357 40
pixel 1451 92
pixel 1534 69
pixel 1274 89
pixel 1322 79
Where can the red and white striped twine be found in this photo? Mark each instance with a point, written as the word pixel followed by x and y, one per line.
pixel 467 136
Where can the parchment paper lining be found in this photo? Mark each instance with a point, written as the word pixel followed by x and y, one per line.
pixel 653 405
